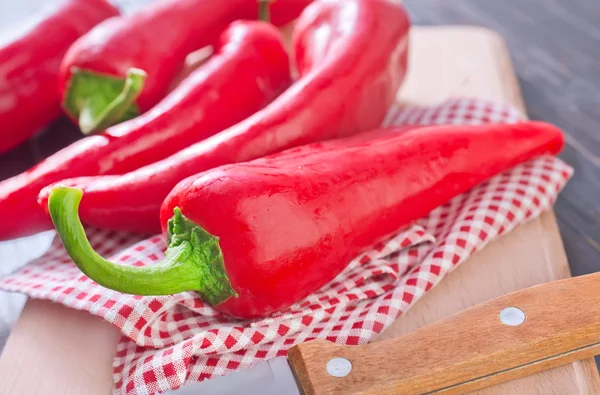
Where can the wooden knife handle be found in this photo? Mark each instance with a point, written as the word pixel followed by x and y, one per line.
pixel 469 350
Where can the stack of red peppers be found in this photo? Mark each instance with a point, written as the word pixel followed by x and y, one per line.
pixel 265 189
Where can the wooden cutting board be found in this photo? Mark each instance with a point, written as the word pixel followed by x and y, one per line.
pixel 57 350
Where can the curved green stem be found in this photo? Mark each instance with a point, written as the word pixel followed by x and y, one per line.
pixel 263 10
pixel 90 122
pixel 194 261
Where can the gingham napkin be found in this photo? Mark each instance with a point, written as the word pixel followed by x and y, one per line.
pixel 168 341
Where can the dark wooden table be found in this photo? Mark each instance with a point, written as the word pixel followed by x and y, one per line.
pixel 555 46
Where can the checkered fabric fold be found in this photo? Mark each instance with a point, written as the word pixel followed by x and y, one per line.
pixel 168 341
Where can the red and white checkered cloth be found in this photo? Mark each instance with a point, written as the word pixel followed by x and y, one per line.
pixel 168 341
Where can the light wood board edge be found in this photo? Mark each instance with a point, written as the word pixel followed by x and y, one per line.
pixel 448 353
pixel 529 255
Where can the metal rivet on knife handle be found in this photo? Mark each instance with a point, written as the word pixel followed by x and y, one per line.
pixel 512 316
pixel 339 367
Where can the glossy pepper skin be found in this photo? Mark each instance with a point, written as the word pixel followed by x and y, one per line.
pixel 351 56
pixel 250 68
pixel 254 238
pixel 30 62
pixel 152 42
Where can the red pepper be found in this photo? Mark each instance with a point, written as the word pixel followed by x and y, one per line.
pixel 250 68
pixel 351 56
pixel 152 42
pixel 30 62
pixel 256 237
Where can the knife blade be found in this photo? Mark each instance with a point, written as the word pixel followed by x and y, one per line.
pixel 272 377
pixel 512 336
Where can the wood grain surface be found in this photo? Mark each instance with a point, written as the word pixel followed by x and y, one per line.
pixel 555 48
pixel 470 350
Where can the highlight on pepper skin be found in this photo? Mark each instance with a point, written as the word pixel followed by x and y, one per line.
pixel 251 58
pixel 220 225
pixel 379 66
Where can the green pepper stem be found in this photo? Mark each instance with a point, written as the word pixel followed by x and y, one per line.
pixel 134 83
pixel 263 10
pixel 193 262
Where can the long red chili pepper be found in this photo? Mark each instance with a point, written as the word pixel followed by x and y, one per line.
pixel 30 63
pixel 250 68
pixel 102 74
pixel 351 56
pixel 254 238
